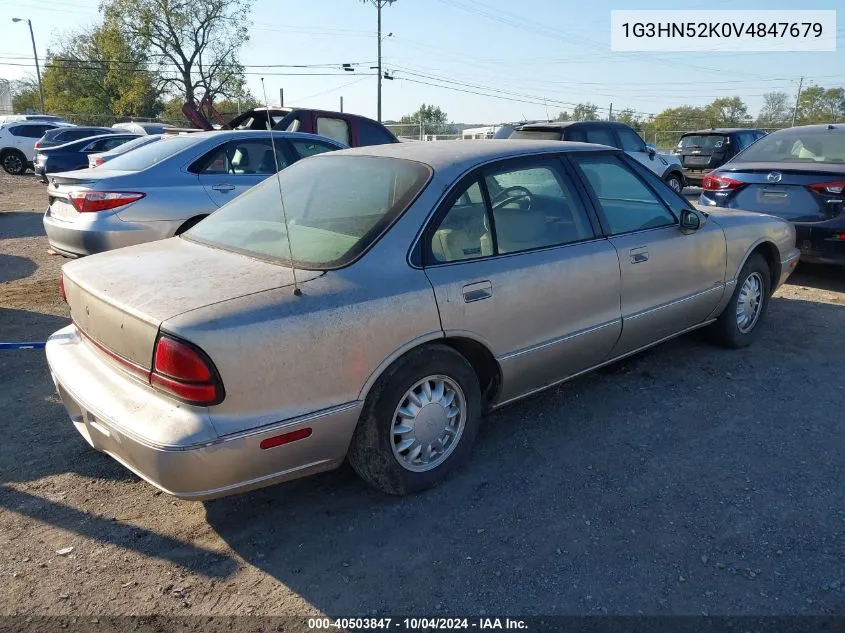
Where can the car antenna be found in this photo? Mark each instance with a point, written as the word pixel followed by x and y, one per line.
pixel 296 289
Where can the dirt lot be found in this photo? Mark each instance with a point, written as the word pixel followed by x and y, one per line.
pixel 687 480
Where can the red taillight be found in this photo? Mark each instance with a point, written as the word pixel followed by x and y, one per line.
pixel 37 145
pixel 182 370
pixel 62 287
pixel 713 182
pixel 97 162
pixel 91 201
pixel 829 188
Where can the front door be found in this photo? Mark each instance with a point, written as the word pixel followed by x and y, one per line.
pixel 671 281
pixel 516 263
pixel 237 165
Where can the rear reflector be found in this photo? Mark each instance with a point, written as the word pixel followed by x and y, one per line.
pixel 92 201
pixel 834 188
pixel 713 182
pixel 286 438
pixel 183 370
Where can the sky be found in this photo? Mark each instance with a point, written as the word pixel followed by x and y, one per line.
pixel 528 59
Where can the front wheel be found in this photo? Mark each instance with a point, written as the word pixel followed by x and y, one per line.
pixel 419 422
pixel 675 181
pixel 739 323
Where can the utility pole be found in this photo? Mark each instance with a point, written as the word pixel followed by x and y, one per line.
pixel 610 113
pixel 34 54
pixel 281 97
pixel 797 99
pixel 379 4
pixel 341 103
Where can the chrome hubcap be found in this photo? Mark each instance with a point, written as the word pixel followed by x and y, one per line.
pixel 675 184
pixel 749 303
pixel 428 423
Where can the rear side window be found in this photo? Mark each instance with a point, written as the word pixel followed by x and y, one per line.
pixel 335 129
pixel 627 204
pixel 29 131
pixel 370 134
pixel 601 136
pixel 243 157
pixel 577 134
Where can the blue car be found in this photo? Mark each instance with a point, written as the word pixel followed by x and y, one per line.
pixel 74 155
pixel 797 174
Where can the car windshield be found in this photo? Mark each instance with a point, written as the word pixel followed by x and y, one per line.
pixel 707 142
pixel 818 145
pixel 537 135
pixel 336 207
pixel 152 154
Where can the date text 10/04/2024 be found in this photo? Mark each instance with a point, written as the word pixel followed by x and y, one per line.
pixel 411 624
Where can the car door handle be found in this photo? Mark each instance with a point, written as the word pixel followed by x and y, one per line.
pixel 639 255
pixel 477 291
pixel 223 187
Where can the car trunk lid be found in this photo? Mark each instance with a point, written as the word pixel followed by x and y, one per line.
pixel 783 190
pixel 119 299
pixel 703 151
pixel 61 185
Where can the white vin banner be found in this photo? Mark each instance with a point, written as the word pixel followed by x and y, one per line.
pixel 718 31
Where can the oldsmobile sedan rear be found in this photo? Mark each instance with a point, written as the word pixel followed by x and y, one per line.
pixel 370 304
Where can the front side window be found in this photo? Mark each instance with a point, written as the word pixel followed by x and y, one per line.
pixel 631 141
pixel 626 202
pixel 304 149
pixel 336 207
pixel 371 134
pixel 335 129
pixel 600 135
pixel 531 207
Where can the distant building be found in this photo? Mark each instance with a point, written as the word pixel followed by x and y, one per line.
pixel 5 97
pixel 488 131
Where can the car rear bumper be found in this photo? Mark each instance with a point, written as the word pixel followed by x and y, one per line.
pixel 173 446
pixel 819 245
pixel 787 267
pixel 695 176
pixel 100 232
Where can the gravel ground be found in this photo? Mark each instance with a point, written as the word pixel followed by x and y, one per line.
pixel 687 480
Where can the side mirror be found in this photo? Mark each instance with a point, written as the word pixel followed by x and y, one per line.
pixel 652 151
pixel 689 221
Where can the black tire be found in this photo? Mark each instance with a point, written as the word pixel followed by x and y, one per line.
pixel 371 451
pixel 13 161
pixel 726 330
pixel 189 223
pixel 675 181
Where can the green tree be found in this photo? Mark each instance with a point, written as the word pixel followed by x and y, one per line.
pixel 727 111
pixel 585 112
pixel 629 117
pixel 563 116
pixel 821 105
pixel 434 120
pixel 25 96
pixel 776 109
pixel 97 72
pixel 196 43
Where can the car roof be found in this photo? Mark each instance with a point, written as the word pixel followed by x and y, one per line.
pixel 247 133
pixel 446 154
pixel 722 130
pixel 829 127
pixel 559 125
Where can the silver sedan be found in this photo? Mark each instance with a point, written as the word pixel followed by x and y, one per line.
pixel 373 303
pixel 161 189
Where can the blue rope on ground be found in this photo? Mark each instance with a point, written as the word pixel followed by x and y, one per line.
pixel 39 345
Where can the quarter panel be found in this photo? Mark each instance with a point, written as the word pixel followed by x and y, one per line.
pixel 281 356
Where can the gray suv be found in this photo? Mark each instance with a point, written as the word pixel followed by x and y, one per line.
pixel 667 166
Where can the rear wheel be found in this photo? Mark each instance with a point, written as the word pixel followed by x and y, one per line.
pixel 739 323
pixel 675 181
pixel 419 422
pixel 13 161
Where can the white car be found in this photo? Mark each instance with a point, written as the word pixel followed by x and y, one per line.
pixel 17 143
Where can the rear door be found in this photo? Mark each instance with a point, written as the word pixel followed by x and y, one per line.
pixel 516 263
pixel 239 164
pixel 670 280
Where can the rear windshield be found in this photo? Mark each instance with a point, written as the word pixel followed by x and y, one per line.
pixel 152 154
pixel 336 207
pixel 708 142
pixel 133 144
pixel 797 145
pixel 537 135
